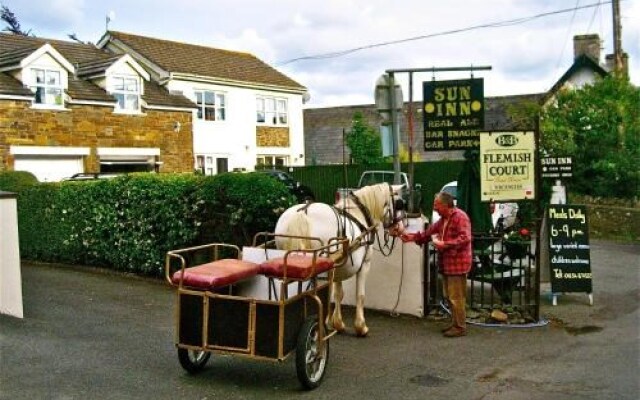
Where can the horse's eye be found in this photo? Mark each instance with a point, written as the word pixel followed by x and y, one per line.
pixel 399 204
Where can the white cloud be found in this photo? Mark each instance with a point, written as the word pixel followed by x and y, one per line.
pixel 526 58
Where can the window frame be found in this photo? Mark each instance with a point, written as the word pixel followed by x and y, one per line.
pixel 46 86
pixel 272 161
pixel 125 93
pixel 272 111
pixel 218 108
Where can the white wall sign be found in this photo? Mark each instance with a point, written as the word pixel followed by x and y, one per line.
pixel 507 167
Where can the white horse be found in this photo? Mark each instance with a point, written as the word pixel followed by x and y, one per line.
pixel 356 218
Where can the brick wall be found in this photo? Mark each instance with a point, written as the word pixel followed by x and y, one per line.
pixel 96 126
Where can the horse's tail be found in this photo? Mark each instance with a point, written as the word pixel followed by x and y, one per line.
pixel 298 225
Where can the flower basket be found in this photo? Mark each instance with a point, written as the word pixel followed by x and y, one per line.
pixel 515 250
pixel 517 243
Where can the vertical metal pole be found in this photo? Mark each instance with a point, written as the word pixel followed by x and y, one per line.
pixel 394 129
pixel 410 126
pixel 539 214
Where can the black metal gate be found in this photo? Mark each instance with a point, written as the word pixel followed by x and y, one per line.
pixel 502 277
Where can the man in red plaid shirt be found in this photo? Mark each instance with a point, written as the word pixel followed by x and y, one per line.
pixel 451 236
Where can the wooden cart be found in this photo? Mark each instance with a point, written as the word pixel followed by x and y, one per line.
pixel 214 316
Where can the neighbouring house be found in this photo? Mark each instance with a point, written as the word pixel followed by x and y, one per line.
pixel 248 113
pixel 324 127
pixel 68 107
pixel 135 103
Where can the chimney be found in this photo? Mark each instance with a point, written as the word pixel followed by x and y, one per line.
pixel 610 63
pixel 587 44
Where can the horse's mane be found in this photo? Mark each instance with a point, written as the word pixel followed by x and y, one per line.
pixel 373 198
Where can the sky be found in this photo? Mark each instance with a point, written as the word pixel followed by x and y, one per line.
pixel 527 55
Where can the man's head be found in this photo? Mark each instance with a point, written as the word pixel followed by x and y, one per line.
pixel 443 204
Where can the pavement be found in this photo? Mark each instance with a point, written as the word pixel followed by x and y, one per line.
pixel 93 334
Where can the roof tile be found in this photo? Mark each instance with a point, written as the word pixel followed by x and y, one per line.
pixel 205 61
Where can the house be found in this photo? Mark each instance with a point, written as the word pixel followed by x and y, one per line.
pixel 324 126
pixel 248 113
pixel 135 103
pixel 586 66
pixel 68 107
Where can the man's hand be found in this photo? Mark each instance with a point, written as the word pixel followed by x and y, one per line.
pixel 408 237
pixel 438 243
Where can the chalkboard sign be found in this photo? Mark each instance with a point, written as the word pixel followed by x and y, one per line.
pixel 569 253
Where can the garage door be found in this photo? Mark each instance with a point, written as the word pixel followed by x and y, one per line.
pixel 49 168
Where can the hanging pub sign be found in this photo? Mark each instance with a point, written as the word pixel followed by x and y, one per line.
pixel 453 113
pixel 569 258
pixel 507 166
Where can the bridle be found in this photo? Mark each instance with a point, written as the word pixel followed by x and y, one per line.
pixel 395 210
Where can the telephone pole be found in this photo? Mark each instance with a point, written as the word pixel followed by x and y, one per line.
pixel 617 38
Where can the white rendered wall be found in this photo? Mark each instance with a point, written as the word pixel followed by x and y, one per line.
pixel 10 278
pixel 235 137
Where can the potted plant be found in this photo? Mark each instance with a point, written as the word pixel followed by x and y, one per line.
pixel 516 243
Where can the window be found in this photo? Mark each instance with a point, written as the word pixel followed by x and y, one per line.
pixel 210 165
pixel 47 87
pixel 211 105
pixel 271 111
pixel 126 90
pixel 271 161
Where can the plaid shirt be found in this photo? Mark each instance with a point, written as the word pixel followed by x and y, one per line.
pixel 455 258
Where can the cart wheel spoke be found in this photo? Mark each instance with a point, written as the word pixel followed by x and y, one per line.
pixel 310 361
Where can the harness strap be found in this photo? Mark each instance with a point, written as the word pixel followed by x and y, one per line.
pixel 357 222
pixel 364 210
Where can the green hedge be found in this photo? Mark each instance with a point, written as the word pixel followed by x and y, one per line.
pixel 16 181
pixel 129 223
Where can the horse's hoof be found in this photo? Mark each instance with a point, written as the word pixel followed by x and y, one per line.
pixel 362 331
pixel 339 326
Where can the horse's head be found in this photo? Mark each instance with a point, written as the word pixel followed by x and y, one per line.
pixel 384 203
pixel 395 208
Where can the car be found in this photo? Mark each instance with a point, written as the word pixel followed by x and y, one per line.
pixel 503 215
pixel 302 192
pixel 88 176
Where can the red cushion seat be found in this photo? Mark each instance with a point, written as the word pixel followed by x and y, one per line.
pixel 216 274
pixel 298 266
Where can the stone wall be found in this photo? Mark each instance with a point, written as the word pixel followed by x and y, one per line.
pixel 269 136
pixel 97 126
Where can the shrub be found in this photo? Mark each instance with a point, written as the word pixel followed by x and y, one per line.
pixel 130 222
pixel 237 206
pixel 16 181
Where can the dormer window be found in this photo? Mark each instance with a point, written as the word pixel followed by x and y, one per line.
pixel 47 87
pixel 126 90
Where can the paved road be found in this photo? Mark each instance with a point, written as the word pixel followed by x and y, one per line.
pixel 88 334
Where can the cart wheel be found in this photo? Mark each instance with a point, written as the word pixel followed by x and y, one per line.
pixel 310 364
pixel 193 361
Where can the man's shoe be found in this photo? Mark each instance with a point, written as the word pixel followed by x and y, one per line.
pixel 446 328
pixel 454 332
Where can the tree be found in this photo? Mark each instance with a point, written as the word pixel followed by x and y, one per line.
pixel 363 142
pixel 599 126
pixel 13 25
